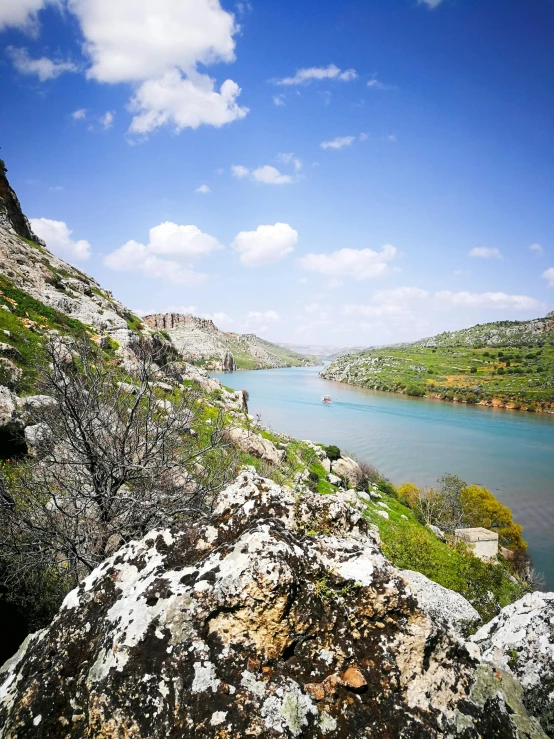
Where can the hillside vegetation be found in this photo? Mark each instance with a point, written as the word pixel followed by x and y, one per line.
pixel 508 364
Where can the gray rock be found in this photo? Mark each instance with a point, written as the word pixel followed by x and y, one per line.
pixel 348 469
pixel 436 531
pixel 441 603
pixel 37 435
pixel 255 444
pixel 520 640
pixel 8 405
pixel 243 625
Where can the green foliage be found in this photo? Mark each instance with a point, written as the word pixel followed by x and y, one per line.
pixel 409 545
pixel 481 508
pixel 333 452
pixel 417 391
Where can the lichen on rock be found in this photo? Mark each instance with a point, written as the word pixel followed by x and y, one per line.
pixel 243 625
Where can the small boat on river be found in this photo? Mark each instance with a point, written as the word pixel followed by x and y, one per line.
pixel 326 399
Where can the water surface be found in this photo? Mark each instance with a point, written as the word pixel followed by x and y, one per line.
pixel 418 440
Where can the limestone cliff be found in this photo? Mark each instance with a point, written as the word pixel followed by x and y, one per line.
pixel 200 341
pixel 11 215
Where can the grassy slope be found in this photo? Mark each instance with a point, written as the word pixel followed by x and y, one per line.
pixel 517 371
pixel 406 542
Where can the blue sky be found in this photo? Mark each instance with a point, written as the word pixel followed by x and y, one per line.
pixel 351 172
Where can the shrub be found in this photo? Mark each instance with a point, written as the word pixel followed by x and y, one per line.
pixel 370 474
pixel 333 452
pixel 473 370
pixel 386 487
pixel 408 494
pixel 415 390
pixel 481 508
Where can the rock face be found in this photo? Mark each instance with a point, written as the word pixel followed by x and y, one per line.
pixel 11 215
pixel 198 339
pixel 243 626
pixel 521 640
pixel 256 445
pixel 348 469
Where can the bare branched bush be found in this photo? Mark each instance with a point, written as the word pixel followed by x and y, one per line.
pixel 113 456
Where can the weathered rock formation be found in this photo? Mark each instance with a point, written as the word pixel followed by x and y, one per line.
pixel 11 215
pixel 255 444
pixel 199 340
pixel 520 640
pixel 244 626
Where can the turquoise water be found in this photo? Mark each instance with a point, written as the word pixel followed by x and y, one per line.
pixel 510 452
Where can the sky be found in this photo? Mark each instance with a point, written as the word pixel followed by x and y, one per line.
pixel 345 172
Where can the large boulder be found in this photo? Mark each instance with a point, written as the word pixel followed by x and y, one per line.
pixel 8 406
pixel 243 626
pixel 348 469
pixel 256 444
pixel 520 640
pixel 441 603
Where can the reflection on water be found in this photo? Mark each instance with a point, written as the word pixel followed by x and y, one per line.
pixel 510 452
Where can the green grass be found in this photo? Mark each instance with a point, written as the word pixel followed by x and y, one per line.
pixel 518 377
pixel 26 322
pixel 410 545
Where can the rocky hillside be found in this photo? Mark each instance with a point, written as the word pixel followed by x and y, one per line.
pixel 507 363
pixel 243 625
pixel 201 342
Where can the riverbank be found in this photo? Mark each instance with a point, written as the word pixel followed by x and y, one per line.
pixel 412 439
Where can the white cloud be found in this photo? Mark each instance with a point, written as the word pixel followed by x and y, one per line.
pixel 174 99
pixel 183 244
pixel 157 47
pixel 44 68
pixel 395 302
pixel 58 239
pixel 549 275
pixel 537 249
pixel 20 13
pixel 375 84
pixel 270 176
pixel 357 264
pixel 203 189
pixel 485 252
pixel 106 120
pixel 79 115
pixel 307 75
pixel 363 137
pixel 267 174
pixel 265 245
pixel 430 3
pixel 239 171
pixel 278 100
pixel 487 300
pixel 392 138
pixel 261 320
pixel 56 188
pixel 289 159
pixel 338 143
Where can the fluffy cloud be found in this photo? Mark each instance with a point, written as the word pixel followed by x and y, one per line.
pixel 537 249
pixel 203 189
pixel 44 68
pixel 22 13
pixel 174 99
pixel 396 302
pixel 265 245
pixel 487 300
pixel 305 76
pixel 157 48
pixel 106 120
pixel 239 171
pixel 278 100
pixel 338 143
pixel 357 264
pixel 79 115
pixel 485 252
pixel 182 244
pixel 549 275
pixel 267 174
pixel 430 3
pixel 58 239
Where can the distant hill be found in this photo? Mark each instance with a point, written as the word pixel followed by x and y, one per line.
pixel 201 342
pixel 506 363
pixel 323 351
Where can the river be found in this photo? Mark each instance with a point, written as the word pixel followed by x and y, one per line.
pixel 418 440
